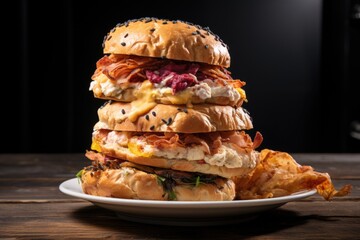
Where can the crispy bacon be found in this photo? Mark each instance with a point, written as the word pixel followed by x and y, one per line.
pixel 242 141
pixel 126 68
pixel 211 142
pixel 190 138
pixel 178 74
pixel 95 156
pixel 168 140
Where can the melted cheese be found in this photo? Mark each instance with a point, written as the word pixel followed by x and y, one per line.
pixel 95 146
pixel 145 100
pixel 242 93
pixel 182 97
pixel 138 149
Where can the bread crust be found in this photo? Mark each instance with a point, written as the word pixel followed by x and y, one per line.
pixel 174 118
pixel 160 38
pixel 131 183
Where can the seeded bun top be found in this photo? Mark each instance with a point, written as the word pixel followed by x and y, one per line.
pixel 178 40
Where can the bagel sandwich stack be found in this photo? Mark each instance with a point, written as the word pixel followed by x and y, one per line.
pixel 172 126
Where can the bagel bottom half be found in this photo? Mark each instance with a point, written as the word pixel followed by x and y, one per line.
pixel 132 181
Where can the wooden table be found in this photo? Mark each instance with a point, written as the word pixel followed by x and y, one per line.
pixel 32 207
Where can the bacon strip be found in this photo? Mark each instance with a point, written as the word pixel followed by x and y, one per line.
pixel 126 68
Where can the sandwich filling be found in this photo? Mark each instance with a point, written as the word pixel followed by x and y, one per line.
pixel 118 77
pixel 231 149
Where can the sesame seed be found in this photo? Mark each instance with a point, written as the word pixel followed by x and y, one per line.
pixel 206 46
pixel 179 109
pixel 164 121
pixel 152 127
pixel 169 121
pixel 123 111
pixel 147 117
pixel 123 44
pixel 185 110
pixel 164 23
pixel 126 35
pixel 153 113
pixel 110 36
pixel 202 36
pixel 194 33
pixel 148 20
pixel 104 104
pixel 153 29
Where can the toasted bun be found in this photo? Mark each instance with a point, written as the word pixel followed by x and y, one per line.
pixel 173 118
pixel 130 183
pixel 176 40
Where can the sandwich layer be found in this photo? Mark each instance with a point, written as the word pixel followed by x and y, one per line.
pixel 120 77
pixel 153 117
pixel 132 181
pixel 227 155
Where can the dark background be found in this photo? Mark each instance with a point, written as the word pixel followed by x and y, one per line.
pixel 299 58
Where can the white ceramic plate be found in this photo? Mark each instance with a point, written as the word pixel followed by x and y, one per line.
pixel 182 213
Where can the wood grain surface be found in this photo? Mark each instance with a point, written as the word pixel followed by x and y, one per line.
pixel 32 207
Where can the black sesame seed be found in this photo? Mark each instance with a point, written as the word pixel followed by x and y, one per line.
pixel 164 121
pixel 246 111
pixel 147 117
pixel 203 36
pixel 206 46
pixel 153 29
pixel 194 33
pixel 110 36
pixel 123 44
pixel 164 23
pixel 175 21
pixel 185 110
pixel 148 20
pixel 179 109
pixel 126 35
pixel 153 113
pixel 152 127
pixel 169 121
pixel 197 31
pixel 123 111
pixel 104 104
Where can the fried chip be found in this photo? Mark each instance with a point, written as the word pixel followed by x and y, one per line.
pixel 278 174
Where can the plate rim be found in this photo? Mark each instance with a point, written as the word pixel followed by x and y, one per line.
pixel 65 187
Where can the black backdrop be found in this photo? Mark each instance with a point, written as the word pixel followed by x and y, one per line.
pixel 298 58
